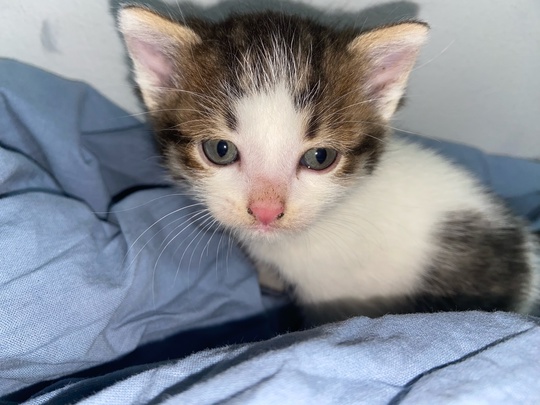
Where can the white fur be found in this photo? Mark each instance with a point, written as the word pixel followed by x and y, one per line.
pixel 371 239
pixel 378 240
pixel 270 138
pixel 532 302
pixel 367 240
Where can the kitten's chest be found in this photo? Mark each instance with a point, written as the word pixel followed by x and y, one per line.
pixel 381 240
pixel 351 253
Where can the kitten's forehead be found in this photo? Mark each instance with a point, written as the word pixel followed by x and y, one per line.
pixel 271 129
pixel 258 51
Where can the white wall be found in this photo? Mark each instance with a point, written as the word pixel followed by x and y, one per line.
pixel 478 80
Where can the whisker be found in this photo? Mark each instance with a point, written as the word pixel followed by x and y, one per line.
pixel 413 133
pixel 334 113
pixel 192 218
pixel 208 242
pixel 389 127
pixel 143 204
pixel 206 215
pixel 206 228
pixel 201 228
pixel 229 250
pixel 217 249
pixel 217 253
pixel 192 93
pixel 435 57
pixel 188 222
pixel 335 101
pixel 209 218
pixel 177 126
pixel 150 227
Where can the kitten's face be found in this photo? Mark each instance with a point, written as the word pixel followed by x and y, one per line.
pixel 269 118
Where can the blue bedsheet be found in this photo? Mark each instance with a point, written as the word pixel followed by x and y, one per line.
pixel 91 268
pixel 455 358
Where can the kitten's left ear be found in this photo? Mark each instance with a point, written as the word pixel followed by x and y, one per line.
pixel 391 53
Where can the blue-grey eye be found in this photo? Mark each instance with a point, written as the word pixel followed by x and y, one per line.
pixel 220 151
pixel 318 158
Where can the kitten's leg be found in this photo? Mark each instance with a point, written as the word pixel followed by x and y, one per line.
pixel 269 279
pixel 484 261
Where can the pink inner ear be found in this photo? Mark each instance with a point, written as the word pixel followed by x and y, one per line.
pixel 152 60
pixel 390 66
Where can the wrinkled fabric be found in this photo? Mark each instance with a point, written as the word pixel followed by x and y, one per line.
pixel 99 255
pixel 446 358
pixel 85 278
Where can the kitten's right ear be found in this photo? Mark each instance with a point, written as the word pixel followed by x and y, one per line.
pixel 156 46
pixel 390 53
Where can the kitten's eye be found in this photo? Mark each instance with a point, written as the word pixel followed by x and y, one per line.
pixel 318 158
pixel 220 152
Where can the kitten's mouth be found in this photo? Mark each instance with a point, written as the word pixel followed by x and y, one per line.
pixel 264 229
pixel 277 228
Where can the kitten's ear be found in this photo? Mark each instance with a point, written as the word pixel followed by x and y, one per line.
pixel 156 46
pixel 391 53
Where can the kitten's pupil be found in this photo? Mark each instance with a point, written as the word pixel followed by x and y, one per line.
pixel 222 148
pixel 320 155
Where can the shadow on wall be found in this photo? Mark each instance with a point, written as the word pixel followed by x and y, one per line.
pixel 386 13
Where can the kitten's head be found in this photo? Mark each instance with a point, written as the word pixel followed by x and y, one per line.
pixel 267 117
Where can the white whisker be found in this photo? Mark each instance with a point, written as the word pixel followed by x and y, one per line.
pixel 187 222
pixel 200 235
pixel 150 227
pixel 206 215
pixel 435 57
pixel 201 229
pixel 143 204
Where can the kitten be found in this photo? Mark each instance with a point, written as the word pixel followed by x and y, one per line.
pixel 280 126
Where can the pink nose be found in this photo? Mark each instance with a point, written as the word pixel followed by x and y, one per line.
pixel 266 211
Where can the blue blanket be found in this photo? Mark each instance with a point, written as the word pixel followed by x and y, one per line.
pixel 100 255
pixel 465 358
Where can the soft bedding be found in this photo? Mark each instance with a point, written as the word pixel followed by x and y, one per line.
pixel 469 358
pixel 99 255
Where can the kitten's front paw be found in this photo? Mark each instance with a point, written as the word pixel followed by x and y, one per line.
pixel 270 281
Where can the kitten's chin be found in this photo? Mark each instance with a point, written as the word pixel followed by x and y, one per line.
pixel 262 232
